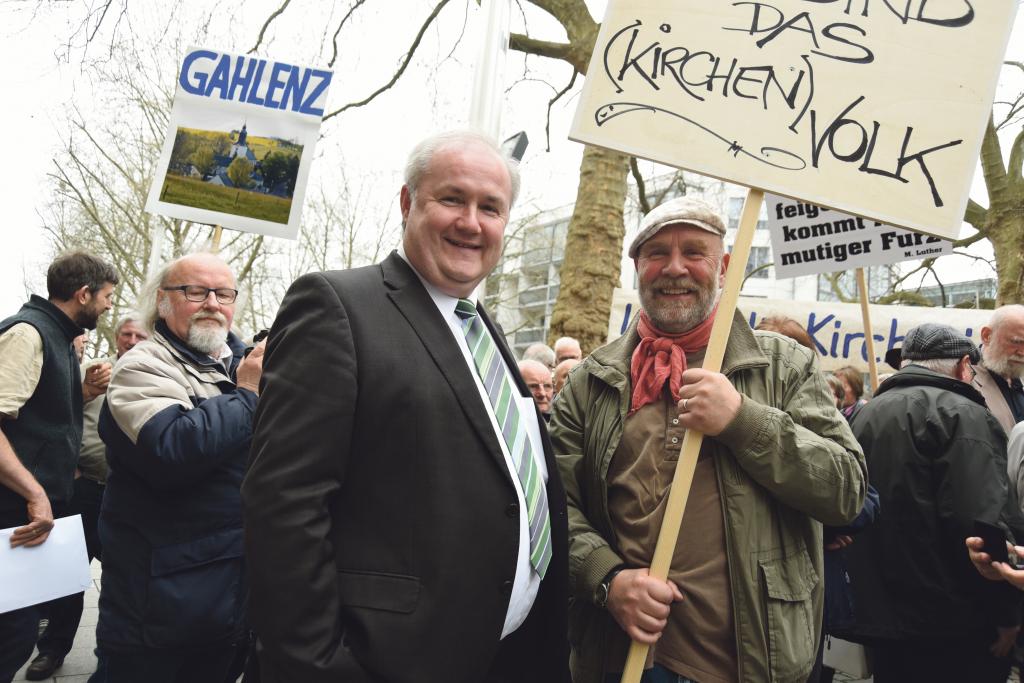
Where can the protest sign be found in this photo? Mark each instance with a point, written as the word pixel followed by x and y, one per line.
pixel 240 142
pixel 809 239
pixel 875 108
pixel 835 328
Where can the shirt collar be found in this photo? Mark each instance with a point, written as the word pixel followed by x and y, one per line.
pixel 444 302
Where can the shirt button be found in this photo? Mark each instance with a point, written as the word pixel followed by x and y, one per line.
pixel 675 439
pixel 675 420
pixel 506 588
pixel 512 510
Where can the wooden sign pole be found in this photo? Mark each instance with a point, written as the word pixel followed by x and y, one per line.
pixel 687 463
pixel 215 240
pixel 869 339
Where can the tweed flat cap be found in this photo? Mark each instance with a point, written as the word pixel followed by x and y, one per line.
pixel 689 210
pixel 932 340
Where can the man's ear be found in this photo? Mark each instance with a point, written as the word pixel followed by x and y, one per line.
pixel 405 202
pixel 986 334
pixel 722 269
pixel 82 295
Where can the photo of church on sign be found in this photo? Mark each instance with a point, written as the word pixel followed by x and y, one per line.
pixel 233 172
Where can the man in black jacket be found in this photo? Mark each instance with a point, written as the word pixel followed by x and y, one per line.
pixel 41 416
pixel 938 459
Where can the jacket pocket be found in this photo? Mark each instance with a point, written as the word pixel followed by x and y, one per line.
pixel 194 592
pixel 789 586
pixel 377 590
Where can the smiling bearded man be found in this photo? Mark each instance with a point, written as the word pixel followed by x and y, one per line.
pixel 778 460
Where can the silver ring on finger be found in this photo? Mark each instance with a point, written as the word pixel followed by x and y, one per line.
pixel 685 402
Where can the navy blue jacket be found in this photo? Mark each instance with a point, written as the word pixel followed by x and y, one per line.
pixel 177 432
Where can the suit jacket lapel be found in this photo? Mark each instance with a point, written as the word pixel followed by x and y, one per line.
pixel 415 304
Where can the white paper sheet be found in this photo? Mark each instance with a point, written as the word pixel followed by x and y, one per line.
pixel 58 567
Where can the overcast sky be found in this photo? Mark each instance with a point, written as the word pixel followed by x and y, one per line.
pixel 371 142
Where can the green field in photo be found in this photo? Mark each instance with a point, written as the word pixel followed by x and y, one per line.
pixel 194 192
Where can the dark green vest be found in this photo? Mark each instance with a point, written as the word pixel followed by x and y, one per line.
pixel 47 434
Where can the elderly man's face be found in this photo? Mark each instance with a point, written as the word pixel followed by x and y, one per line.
pixel 203 325
pixel 538 381
pixel 128 336
pixel 680 271
pixel 1004 347
pixel 455 223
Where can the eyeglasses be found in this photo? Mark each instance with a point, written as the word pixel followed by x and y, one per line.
pixel 198 293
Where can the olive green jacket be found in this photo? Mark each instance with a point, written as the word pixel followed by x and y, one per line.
pixel 786 464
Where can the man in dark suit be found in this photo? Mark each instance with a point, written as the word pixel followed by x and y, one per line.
pixel 404 518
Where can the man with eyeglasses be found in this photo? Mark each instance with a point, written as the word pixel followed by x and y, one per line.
pixel 177 425
pixel 937 457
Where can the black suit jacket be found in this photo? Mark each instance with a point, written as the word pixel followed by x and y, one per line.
pixel 381 525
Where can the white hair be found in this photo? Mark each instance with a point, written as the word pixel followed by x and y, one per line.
pixel 129 317
pixel 148 303
pixel 419 158
pixel 1001 314
pixel 540 352
pixel 942 366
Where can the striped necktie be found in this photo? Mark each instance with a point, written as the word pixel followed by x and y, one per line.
pixel 502 395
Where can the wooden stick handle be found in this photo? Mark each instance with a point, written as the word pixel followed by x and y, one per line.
pixel 215 240
pixel 687 463
pixel 869 337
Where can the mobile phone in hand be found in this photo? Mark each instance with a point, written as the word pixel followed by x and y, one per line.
pixel 995 541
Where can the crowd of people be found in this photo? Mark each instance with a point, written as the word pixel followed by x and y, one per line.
pixel 381 491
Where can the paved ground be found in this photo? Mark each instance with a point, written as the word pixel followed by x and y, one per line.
pixel 81 661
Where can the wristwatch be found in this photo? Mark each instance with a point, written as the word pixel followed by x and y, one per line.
pixel 601 598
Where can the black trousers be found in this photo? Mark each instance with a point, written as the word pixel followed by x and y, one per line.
pixel 164 666
pixel 65 613
pixel 938 661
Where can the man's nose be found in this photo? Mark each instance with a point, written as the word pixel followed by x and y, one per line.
pixel 676 264
pixel 469 217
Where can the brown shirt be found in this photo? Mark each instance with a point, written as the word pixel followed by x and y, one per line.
pixel 699 641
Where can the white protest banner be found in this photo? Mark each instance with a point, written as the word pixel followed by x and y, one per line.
pixel 808 239
pixel 240 142
pixel 873 108
pixel 836 328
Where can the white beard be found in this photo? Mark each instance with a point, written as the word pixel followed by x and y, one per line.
pixel 207 338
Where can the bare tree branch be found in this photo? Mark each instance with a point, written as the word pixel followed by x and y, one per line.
pixel 334 38
pixel 401 68
pixel 541 48
pixel 975 214
pixel 273 15
pixel 558 95
pixel 641 188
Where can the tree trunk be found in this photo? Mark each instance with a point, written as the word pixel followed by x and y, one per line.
pixel 1006 231
pixel 593 250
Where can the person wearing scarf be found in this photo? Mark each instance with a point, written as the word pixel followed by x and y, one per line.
pixel 617 428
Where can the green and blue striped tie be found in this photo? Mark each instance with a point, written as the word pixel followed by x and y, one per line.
pixel 502 395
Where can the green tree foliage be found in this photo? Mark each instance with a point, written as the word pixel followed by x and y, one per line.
pixel 239 172
pixel 202 159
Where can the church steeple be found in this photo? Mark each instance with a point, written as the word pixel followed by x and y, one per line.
pixel 241 137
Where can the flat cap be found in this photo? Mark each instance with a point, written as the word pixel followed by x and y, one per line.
pixel 932 340
pixel 688 210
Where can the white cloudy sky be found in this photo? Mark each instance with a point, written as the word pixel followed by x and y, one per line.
pixel 38 89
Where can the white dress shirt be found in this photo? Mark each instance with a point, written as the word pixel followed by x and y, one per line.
pixel 527 580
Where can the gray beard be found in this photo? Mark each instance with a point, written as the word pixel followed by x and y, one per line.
pixel 207 338
pixel 1004 368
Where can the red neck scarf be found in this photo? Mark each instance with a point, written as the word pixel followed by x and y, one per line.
pixel 660 357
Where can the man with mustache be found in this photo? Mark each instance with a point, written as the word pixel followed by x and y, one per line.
pixel 177 423
pixel 743 600
pixel 41 417
pixel 999 375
